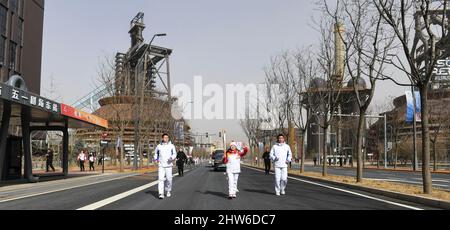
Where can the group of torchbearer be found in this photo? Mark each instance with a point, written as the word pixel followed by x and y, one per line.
pixel 280 155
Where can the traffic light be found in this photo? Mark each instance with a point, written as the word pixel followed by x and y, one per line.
pixel 207 135
pixel 220 134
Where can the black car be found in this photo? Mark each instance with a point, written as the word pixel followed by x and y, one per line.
pixel 218 156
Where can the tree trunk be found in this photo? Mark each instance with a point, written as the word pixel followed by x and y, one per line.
pixel 427 183
pixel 434 156
pixel 324 161
pixel 302 159
pixel 359 147
pixel 121 152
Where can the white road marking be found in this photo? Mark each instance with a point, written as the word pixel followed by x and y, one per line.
pixel 63 189
pixel 115 198
pixel 437 180
pixel 120 196
pixel 350 192
pixel 445 181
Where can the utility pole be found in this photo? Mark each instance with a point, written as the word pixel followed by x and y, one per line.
pixel 384 117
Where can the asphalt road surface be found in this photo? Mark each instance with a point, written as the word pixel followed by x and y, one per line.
pixel 200 189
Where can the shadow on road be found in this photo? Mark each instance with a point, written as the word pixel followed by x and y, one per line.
pixel 259 191
pixel 154 193
pixel 218 194
pixel 218 171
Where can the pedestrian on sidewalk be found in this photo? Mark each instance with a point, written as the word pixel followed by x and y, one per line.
pixel 81 159
pixel 91 162
pixel 281 155
pixel 232 160
pixel 100 160
pixel 49 160
pixel 181 160
pixel 165 154
pixel 266 157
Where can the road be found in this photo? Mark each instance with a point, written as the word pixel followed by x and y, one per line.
pixel 440 180
pixel 199 189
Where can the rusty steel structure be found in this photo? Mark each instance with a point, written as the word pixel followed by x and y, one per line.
pixel 140 94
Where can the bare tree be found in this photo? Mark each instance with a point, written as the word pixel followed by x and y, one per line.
pixel 367 47
pixel 328 95
pixel 307 69
pixel 440 117
pixel 414 24
pixel 279 72
pixel 119 106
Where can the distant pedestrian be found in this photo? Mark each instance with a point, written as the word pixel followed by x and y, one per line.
pixel 281 155
pixel 232 160
pixel 315 161
pixel 81 159
pixel 266 157
pixel 91 162
pixel 181 160
pixel 100 160
pixel 165 154
pixel 49 160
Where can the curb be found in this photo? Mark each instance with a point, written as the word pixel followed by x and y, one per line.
pixel 410 198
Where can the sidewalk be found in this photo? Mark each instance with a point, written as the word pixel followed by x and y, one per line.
pixel 74 173
pixel 18 190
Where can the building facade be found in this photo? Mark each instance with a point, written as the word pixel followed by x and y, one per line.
pixel 400 133
pixel 21 34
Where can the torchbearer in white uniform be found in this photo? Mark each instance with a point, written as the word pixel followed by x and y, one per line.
pixel 281 155
pixel 165 154
pixel 233 161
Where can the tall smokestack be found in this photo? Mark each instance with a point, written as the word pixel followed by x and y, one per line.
pixel 136 28
pixel 339 53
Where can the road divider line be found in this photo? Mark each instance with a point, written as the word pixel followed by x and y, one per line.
pixel 120 196
pixel 350 192
pixel 63 189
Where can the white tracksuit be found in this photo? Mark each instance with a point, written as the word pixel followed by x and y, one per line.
pixel 233 162
pixel 281 155
pixel 165 154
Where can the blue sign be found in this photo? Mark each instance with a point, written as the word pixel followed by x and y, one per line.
pixel 410 107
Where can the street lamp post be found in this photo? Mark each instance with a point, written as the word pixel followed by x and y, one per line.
pixel 140 105
pixel 385 130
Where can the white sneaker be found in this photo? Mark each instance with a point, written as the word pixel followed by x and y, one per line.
pixel 237 190
pixel 168 194
pixel 277 193
pixel 234 196
pixel 283 193
pixel 161 196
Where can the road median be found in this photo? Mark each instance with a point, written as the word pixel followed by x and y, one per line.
pixel 412 193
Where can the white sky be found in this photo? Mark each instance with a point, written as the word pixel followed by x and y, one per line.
pixel 223 41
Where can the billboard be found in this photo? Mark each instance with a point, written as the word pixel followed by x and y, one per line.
pixel 410 107
pixel 83 116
